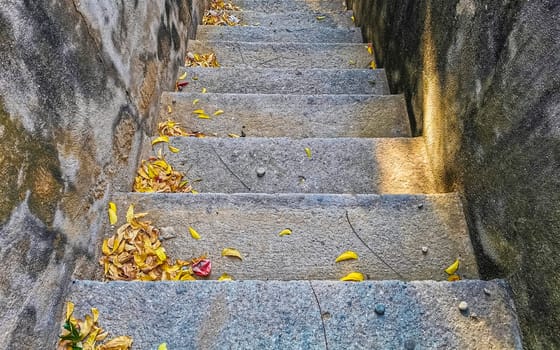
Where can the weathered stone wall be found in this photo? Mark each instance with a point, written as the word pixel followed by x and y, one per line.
pixel 79 85
pixel 483 87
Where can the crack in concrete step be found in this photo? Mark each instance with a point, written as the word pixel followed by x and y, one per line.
pixel 307 81
pixel 304 314
pixel 267 34
pixel 296 116
pixel 387 232
pixel 285 55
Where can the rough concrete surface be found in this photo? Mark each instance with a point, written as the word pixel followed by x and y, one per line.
pixel 297 116
pixel 394 228
pixel 78 83
pixel 285 55
pixel 295 19
pixel 286 81
pixel 267 34
pixel 482 81
pixel 304 314
pixel 337 165
pixel 291 5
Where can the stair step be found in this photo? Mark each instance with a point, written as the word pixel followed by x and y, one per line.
pixel 301 6
pixel 267 34
pixel 284 55
pixel 287 81
pixel 297 116
pixel 338 165
pixel 394 227
pixel 295 19
pixel 304 314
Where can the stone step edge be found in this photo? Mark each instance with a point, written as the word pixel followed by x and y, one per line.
pixel 183 95
pixel 363 70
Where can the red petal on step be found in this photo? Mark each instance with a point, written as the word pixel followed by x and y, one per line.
pixel 202 268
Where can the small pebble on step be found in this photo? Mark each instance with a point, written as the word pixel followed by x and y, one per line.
pixel 380 309
pixel 425 250
pixel 487 291
pixel 463 306
pixel 261 171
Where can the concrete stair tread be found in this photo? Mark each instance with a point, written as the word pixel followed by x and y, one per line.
pixel 395 228
pixel 295 19
pixel 301 6
pixel 263 34
pixel 338 165
pixel 303 314
pixel 286 80
pixel 296 116
pixel 287 55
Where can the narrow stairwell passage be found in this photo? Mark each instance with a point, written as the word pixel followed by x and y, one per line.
pixel 328 154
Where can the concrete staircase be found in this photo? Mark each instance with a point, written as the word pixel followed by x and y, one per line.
pixel 290 83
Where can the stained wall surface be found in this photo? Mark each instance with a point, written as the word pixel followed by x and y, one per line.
pixel 79 85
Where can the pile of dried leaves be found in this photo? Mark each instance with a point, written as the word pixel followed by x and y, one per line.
pixel 135 252
pixel 156 175
pixel 171 128
pixel 218 14
pixel 84 334
pixel 203 60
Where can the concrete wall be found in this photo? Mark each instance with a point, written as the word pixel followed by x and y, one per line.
pixel 79 85
pixel 482 81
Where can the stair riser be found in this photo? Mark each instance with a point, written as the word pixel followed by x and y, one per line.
pixel 301 6
pixel 393 227
pixel 285 55
pixel 302 315
pixel 287 81
pixel 295 19
pixel 297 116
pixel 262 34
pixel 336 166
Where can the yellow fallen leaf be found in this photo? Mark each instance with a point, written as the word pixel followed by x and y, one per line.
pixel 372 64
pixel 320 18
pixel 169 110
pixel 452 268
pixel 352 62
pixel 225 277
pixel 195 78
pixel 203 116
pixel 95 313
pixel 193 233
pixel 69 309
pixel 370 49
pixel 194 191
pixel 308 152
pixel 183 76
pixel 199 111
pixel 162 346
pixel 160 252
pixel 160 139
pixel 285 232
pixel 112 213
pixel 353 276
pixel 130 214
pixel 218 112
pixel 105 247
pixel 204 90
pixel 233 136
pixel 454 277
pixel 348 255
pixel 195 101
pixel 232 252
pixel 174 149
pixel 119 343
pixel 353 18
